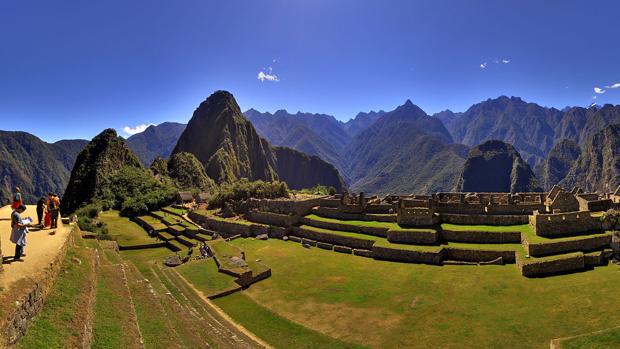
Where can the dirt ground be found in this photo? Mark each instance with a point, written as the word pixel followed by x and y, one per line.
pixel 40 250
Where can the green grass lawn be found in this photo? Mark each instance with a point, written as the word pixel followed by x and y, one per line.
pixel 275 330
pixel 385 304
pixel 211 214
pixel 371 224
pixel 204 275
pixel 58 324
pixel 124 231
pixel 608 339
pixel 173 210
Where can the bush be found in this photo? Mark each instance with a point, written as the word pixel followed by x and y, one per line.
pixel 318 190
pixel 232 195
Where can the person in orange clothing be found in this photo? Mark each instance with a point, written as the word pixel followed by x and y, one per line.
pixel 53 207
pixel 17 198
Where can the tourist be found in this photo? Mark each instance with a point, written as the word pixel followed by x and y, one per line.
pixel 53 207
pixel 17 198
pixel 19 229
pixel 40 210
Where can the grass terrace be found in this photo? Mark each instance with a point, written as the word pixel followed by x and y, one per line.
pixel 213 215
pixel 124 231
pixel 174 210
pixel 384 304
pixel 371 224
pixel 154 222
pixel 205 276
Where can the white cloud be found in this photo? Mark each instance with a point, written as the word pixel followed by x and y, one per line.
pixel 599 90
pixel 268 75
pixel 505 61
pixel 133 130
pixel 483 65
pixel 594 97
pixel 616 85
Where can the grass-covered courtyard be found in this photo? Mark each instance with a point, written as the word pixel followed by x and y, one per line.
pixel 385 304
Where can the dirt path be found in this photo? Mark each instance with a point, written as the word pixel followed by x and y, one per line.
pixel 41 248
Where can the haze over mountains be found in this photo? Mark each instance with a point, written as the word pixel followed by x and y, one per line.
pixel 400 151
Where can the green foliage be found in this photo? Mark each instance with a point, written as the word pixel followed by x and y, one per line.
pixel 134 191
pixel 318 190
pixel 188 173
pixel 611 220
pixel 232 194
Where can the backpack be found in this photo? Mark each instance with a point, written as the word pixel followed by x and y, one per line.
pixel 52 206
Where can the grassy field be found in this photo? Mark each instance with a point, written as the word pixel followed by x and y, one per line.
pixel 60 323
pixel 275 330
pixel 607 339
pixel 124 231
pixel 385 304
pixel 204 275
pixel 372 224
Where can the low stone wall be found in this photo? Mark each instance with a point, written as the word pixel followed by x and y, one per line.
pixel 145 225
pixel 362 253
pixel 337 214
pixel 483 219
pixel 563 224
pixel 468 255
pixel 493 209
pixel 482 237
pixel 294 207
pixel 393 254
pixel 143 246
pixel 413 237
pixel 594 259
pixel 550 248
pixel 277 219
pixel 15 323
pixel 231 228
pixel 344 227
pixel 379 208
pixel 343 249
pixel 325 246
pixel 531 268
pixel 333 238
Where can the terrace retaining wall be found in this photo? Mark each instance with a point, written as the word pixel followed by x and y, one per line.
pixel 337 214
pixel 468 255
pixel 412 237
pixel 333 238
pixel 402 255
pixel 295 207
pixel 277 219
pixel 550 248
pixel 539 268
pixel 484 237
pixel 483 219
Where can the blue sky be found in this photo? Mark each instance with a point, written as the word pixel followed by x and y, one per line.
pixel 69 69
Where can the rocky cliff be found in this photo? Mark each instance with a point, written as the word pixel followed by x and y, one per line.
pixel 228 146
pixel 300 170
pixel 94 167
pixel 560 160
pixel 495 166
pixel 598 166
pixel 225 142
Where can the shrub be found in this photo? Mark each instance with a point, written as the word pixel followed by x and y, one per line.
pixel 232 195
pixel 318 190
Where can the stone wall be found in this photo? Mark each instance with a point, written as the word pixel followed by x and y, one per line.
pixel 403 255
pixel 563 224
pixel 145 225
pixel 530 268
pixel 278 219
pixel 468 255
pixel 426 237
pixel 484 237
pixel 483 219
pixel 493 209
pixel 285 206
pixel 31 298
pixel 333 238
pixel 228 228
pixel 338 214
pixel 550 248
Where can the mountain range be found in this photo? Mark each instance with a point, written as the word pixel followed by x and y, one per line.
pixel 400 151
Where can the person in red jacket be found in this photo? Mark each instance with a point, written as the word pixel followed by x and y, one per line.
pixel 17 198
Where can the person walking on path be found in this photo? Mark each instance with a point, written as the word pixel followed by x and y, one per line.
pixel 17 198
pixel 53 207
pixel 18 232
pixel 40 210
